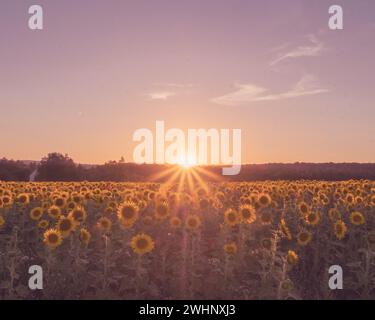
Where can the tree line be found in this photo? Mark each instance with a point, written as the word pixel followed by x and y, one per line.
pixel 60 167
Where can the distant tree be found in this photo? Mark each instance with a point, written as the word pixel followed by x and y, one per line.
pixel 11 170
pixel 58 167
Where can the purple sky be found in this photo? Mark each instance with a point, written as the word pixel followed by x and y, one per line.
pixel 102 69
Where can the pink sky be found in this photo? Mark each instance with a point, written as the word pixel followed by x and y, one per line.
pixel 102 69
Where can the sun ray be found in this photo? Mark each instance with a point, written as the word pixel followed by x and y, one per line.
pixel 210 174
pixel 163 173
pixel 199 180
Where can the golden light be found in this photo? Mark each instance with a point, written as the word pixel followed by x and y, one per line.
pixel 187 162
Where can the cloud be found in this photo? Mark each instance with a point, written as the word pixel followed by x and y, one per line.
pixel 167 90
pixel 247 93
pixel 161 95
pixel 314 49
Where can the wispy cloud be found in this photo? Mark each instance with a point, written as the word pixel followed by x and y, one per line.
pixel 161 95
pixel 246 93
pixel 313 49
pixel 164 91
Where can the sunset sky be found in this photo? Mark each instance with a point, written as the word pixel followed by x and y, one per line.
pixel 102 69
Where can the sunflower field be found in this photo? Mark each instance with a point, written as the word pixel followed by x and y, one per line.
pixel 229 240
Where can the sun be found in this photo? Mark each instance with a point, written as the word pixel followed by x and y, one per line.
pixel 187 162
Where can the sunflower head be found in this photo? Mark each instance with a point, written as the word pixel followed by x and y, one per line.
pixel 304 238
pixel 43 224
pixel 84 236
pixel 349 198
pixel 66 225
pixel 230 248
pixel 78 214
pixel 231 217
pixel 60 202
pixel 292 257
pixel 175 222
pixel 247 213
pixel 36 213
pixel 142 244
pixel 312 218
pixel 303 208
pixel 23 199
pixel 161 210
pixel 7 200
pixel 104 224
pixel 340 229
pixel 192 222
pixel 128 213
pixel 357 218
pixel 52 238
pixel 264 200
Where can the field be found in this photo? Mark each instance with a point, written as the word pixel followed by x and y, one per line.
pixel 258 240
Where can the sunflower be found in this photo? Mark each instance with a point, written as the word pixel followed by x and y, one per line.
pixel 334 214
pixel 312 218
pixel 23 198
pixel 104 224
pixel 84 236
pixel 292 257
pixel 66 225
pixel 59 202
pixel 247 213
pixel 78 214
pixel 7 200
pixel 43 224
pixel 264 200
pixel 77 198
pixel 303 208
pixel 36 213
pixel 54 212
pixel 285 230
pixel 286 285
pixel 230 248
pixel 304 238
pixel 349 198
pixel 175 222
pixel 340 229
pixel 142 243
pixel 161 211
pixel 128 213
pixel 357 218
pixel 71 205
pixel 231 217
pixel 52 238
pixel 192 222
